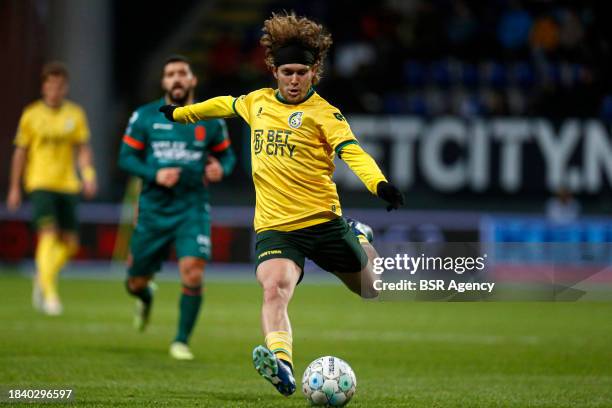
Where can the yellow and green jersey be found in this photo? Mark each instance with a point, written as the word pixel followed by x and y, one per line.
pixel 292 152
pixel 50 136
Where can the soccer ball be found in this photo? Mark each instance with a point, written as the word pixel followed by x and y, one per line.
pixel 329 382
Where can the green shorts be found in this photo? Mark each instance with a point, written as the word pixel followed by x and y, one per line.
pixel 331 245
pixel 154 234
pixel 50 208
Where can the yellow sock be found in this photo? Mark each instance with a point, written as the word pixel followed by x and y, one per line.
pixel 51 255
pixel 45 265
pixel 280 343
pixel 62 253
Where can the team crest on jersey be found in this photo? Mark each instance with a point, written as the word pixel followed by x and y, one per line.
pixel 69 125
pixel 200 133
pixel 295 120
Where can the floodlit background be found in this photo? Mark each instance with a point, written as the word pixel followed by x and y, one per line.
pixel 492 117
pixel 471 108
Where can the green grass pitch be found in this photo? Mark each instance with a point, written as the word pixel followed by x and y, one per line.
pixel 404 354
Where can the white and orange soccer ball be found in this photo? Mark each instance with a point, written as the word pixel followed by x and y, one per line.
pixel 329 382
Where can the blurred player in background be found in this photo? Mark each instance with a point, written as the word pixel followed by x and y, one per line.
pixel 175 164
pixel 49 131
pixel 295 134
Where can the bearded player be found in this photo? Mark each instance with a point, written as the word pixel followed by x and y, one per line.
pixel 175 164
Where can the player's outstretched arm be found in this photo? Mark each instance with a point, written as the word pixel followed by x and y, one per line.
pixel 214 108
pixel 364 166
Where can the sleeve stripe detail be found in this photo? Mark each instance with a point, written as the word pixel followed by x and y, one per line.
pixel 221 146
pixel 234 109
pixel 339 148
pixel 133 143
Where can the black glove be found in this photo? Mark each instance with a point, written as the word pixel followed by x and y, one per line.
pixel 168 110
pixel 390 194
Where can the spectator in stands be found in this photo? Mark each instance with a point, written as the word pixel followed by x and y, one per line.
pixel 563 208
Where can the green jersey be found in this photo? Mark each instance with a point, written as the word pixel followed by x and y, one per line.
pixel 151 142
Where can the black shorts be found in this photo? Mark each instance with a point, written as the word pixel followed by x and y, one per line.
pixel 332 245
pixel 51 208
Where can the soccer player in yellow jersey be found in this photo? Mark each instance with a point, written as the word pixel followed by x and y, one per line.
pixel 295 134
pixel 49 131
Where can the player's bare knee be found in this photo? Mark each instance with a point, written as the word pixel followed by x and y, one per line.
pixel 72 242
pixel 192 278
pixel 277 288
pixel 48 230
pixel 192 271
pixel 276 292
pixel 278 278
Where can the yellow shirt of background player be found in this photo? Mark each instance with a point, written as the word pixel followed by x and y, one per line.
pixel 292 153
pixel 50 136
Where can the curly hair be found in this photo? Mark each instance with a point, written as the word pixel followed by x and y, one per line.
pixel 285 28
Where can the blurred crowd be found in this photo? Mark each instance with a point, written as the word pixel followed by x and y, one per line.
pixel 459 57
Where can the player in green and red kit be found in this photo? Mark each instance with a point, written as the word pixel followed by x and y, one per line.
pixel 175 164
